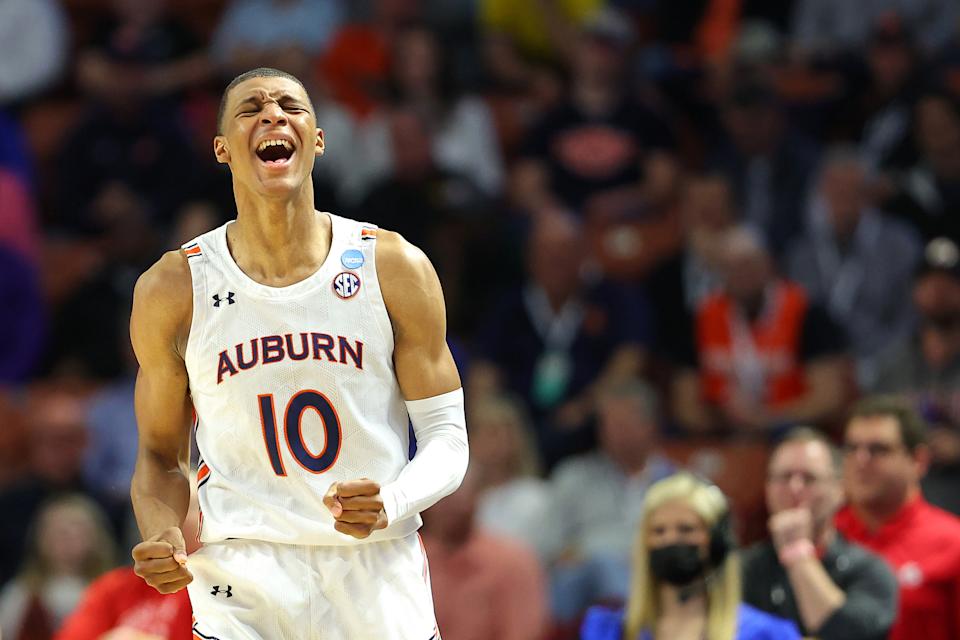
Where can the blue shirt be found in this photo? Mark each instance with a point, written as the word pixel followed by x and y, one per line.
pixel 752 624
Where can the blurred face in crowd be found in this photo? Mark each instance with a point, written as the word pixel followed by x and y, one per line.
pixel 746 268
pixel 411 147
pixel 843 187
pixel 938 134
pixel 754 128
pixel 269 109
pixel 60 438
pixel 66 536
pixel 936 296
pixel 417 61
pixel 555 255
pixel 802 475
pixel 627 433
pixel 891 63
pixel 879 471
pixel 707 209
pixel 598 59
pixel 495 441
pixel 675 522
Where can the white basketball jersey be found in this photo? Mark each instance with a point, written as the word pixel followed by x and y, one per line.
pixel 294 389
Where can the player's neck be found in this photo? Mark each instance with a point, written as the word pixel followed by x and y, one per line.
pixel 276 241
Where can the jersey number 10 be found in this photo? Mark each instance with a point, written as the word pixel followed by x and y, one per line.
pixel 293 425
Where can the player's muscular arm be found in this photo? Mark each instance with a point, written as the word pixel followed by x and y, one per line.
pixel 160 489
pixel 429 382
pixel 414 299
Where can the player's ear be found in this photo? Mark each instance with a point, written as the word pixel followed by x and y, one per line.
pixel 319 148
pixel 220 150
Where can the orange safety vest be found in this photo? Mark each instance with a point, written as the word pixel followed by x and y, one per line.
pixel 776 337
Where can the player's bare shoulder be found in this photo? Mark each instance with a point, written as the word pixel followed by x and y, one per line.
pixel 163 302
pixel 407 278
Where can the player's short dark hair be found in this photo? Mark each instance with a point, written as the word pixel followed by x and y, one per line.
pixel 259 72
pixel 913 428
pixel 803 435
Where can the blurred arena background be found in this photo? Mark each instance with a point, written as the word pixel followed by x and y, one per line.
pixel 584 174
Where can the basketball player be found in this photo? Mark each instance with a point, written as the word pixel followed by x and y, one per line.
pixel 303 341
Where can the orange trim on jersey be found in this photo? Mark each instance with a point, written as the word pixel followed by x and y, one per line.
pixel 366 234
pixel 202 472
pixel 192 251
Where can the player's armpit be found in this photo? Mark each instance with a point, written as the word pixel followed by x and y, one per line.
pixel 414 301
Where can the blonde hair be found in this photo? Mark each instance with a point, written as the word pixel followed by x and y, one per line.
pixel 723 590
pixel 102 556
pixel 511 413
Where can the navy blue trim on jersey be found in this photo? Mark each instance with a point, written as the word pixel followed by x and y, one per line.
pixel 206 637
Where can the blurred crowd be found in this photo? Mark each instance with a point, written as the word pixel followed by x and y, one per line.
pixel 668 233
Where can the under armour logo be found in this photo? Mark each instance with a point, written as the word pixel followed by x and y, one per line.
pixel 217 299
pixel 217 591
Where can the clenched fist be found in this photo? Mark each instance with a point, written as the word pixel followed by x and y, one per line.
pixel 161 561
pixel 356 506
pixel 791 525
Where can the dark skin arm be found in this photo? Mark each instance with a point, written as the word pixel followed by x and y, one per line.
pixel 160 489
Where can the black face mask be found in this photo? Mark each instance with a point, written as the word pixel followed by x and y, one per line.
pixel 677 564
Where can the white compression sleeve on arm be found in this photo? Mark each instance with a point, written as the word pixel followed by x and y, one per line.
pixel 440 463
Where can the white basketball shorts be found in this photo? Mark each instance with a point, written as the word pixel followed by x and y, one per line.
pixel 254 590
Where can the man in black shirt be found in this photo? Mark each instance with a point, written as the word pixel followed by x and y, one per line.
pixel 807 572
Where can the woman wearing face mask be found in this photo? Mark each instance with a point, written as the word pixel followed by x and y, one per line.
pixel 686 579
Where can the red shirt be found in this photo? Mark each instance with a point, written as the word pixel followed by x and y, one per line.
pixel 490 587
pixel 922 544
pixel 120 599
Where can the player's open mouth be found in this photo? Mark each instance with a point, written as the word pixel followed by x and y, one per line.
pixel 275 153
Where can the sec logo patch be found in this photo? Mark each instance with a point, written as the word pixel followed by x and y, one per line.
pixel 346 284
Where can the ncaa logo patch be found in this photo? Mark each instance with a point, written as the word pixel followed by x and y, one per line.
pixel 346 284
pixel 352 259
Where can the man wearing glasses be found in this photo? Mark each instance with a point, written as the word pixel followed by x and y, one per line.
pixel 808 573
pixel 885 457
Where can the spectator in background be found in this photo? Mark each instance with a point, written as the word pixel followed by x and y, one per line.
pixel 514 501
pixel 251 31
pixel 928 194
pixel 58 439
pixel 831 589
pixel 678 286
pixel 925 366
pixel 33 47
pixel 878 111
pixel 824 28
pixel 357 61
pixel 597 142
pixel 856 262
pixel 14 154
pixel 685 582
pixel 763 356
pixel 119 605
pixel 143 51
pixel 769 164
pixel 484 586
pixel 121 140
pixel 598 498
pixel 558 338
pixel 885 456
pixel 70 545
pixel 22 316
pixel 543 31
pixel 85 326
pixel 461 129
pixel 18 217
